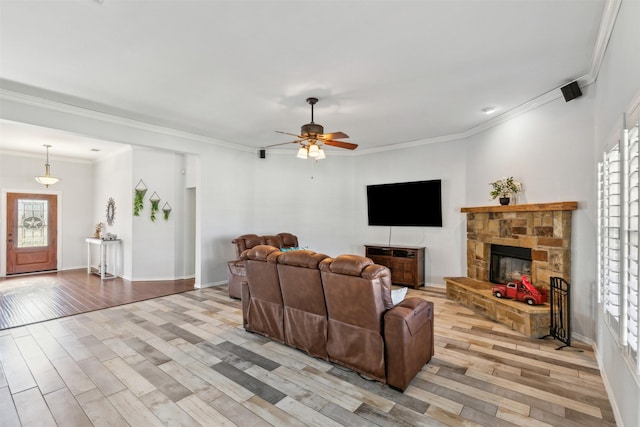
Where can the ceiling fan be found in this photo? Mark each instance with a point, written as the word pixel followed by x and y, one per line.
pixel 312 137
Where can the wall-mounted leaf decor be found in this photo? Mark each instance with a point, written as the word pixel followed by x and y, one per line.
pixel 138 200
pixel 155 203
pixel 166 210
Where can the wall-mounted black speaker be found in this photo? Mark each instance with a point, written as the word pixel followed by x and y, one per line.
pixel 262 153
pixel 571 91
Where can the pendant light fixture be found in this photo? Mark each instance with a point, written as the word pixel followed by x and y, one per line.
pixel 47 179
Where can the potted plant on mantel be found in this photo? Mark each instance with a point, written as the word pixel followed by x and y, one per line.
pixel 504 189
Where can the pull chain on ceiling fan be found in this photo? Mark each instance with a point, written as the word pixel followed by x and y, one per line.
pixel 312 137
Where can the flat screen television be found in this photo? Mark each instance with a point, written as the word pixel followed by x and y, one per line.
pixel 405 204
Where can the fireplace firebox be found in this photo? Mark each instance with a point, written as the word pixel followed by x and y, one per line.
pixel 509 263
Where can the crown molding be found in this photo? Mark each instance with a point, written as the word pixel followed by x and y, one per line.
pixel 502 118
pixel 40 102
pixel 607 22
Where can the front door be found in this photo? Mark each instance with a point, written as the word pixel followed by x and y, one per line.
pixel 32 232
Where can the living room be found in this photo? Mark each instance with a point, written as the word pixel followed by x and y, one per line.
pixel 218 191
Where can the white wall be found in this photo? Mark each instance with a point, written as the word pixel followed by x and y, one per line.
pixel 223 209
pixel 157 246
pixel 311 199
pixel 112 177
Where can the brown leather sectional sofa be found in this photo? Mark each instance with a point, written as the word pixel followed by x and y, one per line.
pixel 338 309
pixel 236 272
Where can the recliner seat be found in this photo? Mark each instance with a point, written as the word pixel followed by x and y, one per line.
pixel 305 313
pixel 236 271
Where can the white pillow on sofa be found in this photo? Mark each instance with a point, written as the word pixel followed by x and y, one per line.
pixel 397 295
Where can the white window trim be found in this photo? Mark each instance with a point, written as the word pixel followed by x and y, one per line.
pixel 627 241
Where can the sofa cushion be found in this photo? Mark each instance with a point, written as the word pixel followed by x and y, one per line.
pixel 301 258
pixel 264 310
pixel 247 241
pixel 305 314
pixel 353 290
pixel 288 239
pixel 351 265
pixel 236 271
pixel 251 240
pixel 273 241
pixel 359 266
pixel 280 240
pixel 261 253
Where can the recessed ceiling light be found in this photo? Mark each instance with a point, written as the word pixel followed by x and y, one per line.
pixel 489 110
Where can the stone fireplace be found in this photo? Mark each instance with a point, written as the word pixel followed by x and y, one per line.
pixel 543 228
pixel 533 239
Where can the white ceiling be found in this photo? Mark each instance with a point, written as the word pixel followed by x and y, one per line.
pixel 386 72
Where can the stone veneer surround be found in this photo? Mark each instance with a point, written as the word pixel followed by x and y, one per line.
pixel 545 228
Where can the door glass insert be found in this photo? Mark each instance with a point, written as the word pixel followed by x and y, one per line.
pixel 32 223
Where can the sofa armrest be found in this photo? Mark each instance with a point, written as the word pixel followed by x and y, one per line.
pixel 236 273
pixel 408 336
pixel 414 312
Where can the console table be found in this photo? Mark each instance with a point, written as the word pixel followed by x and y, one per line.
pixel 405 262
pixel 104 245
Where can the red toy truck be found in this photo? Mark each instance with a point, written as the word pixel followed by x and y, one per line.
pixel 521 290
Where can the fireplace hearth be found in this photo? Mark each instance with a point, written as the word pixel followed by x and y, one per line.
pixel 509 263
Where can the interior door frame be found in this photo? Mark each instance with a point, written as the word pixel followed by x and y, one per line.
pixel 3 224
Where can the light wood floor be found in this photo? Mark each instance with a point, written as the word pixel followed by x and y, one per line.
pixel 184 359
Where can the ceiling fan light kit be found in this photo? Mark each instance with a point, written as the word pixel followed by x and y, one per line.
pixel 312 138
pixel 313 150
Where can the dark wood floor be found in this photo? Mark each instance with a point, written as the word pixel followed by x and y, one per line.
pixel 29 299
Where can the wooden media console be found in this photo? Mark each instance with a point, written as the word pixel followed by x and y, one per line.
pixel 405 262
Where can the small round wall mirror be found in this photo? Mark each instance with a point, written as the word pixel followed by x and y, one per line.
pixel 111 211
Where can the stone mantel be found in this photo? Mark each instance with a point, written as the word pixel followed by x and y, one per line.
pixel 535 207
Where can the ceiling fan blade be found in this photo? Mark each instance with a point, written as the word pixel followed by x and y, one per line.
pixel 283 143
pixel 341 144
pixel 335 135
pixel 292 134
